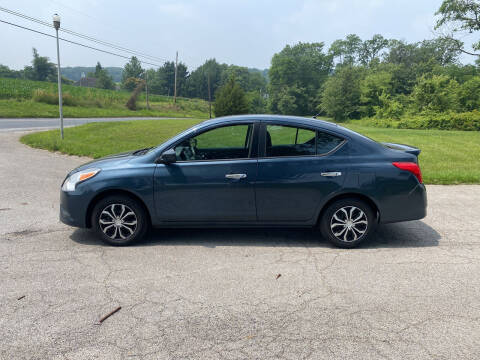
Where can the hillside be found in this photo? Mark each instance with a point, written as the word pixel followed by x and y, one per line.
pixel 75 72
pixel 26 98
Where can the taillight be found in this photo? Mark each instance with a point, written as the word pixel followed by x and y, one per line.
pixel 412 167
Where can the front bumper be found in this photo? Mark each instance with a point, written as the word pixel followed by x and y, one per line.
pixel 73 208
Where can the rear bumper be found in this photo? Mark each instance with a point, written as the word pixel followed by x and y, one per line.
pixel 405 207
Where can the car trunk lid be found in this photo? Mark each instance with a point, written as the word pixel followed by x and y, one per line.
pixel 401 147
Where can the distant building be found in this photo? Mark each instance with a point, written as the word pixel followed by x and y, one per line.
pixel 86 82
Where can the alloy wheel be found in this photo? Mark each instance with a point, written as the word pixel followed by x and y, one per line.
pixel 118 221
pixel 349 224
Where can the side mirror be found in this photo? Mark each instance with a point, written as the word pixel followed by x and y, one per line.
pixel 167 157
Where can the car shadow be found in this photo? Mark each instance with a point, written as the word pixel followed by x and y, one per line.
pixel 407 234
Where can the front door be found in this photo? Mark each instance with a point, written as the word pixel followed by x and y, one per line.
pixel 212 180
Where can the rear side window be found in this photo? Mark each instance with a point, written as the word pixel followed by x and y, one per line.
pixel 289 141
pixel 292 141
pixel 327 142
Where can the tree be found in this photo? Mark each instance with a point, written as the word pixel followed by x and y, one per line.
pixel 374 89
pixel 230 99
pixel 340 97
pixel 6 72
pixel 461 16
pixel 42 68
pixel 104 81
pixel 162 81
pixel 370 50
pixel 257 103
pixel 197 84
pixel 132 69
pixel 348 50
pixel 249 80
pixel 296 75
pixel 437 93
pixel 469 94
pixel 443 50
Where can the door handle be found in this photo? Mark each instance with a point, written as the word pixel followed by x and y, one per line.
pixel 331 173
pixel 236 176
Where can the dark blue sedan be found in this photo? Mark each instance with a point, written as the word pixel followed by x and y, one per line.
pixel 255 170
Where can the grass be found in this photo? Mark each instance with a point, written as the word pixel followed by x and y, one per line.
pixel 33 109
pixel 99 139
pixel 20 98
pixel 448 157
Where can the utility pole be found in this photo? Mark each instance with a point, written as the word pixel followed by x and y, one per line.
pixel 56 25
pixel 146 88
pixel 209 96
pixel 175 88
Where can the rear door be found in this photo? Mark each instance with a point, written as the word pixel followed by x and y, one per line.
pixel 297 168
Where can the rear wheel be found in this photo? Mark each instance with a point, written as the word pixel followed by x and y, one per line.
pixel 119 220
pixel 348 222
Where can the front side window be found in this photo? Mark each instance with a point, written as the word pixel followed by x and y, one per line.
pixel 289 141
pixel 227 142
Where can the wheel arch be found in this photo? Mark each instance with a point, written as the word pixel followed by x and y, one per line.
pixel 350 195
pixel 110 192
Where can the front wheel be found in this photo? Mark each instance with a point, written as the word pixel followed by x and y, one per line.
pixel 348 222
pixel 119 220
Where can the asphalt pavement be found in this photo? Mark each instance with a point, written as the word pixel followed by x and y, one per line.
pixel 51 123
pixel 412 293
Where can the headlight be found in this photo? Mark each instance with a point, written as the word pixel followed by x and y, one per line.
pixel 74 179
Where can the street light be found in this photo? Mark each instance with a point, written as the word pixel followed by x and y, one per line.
pixel 56 25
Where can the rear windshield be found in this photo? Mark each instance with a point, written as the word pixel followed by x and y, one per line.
pixel 358 134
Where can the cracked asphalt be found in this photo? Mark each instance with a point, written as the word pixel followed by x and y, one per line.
pixel 413 293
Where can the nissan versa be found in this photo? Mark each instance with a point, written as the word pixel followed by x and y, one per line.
pixel 252 170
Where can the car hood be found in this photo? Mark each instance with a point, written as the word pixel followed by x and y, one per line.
pixel 107 161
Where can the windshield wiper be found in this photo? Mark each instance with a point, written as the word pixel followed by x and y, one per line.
pixel 142 151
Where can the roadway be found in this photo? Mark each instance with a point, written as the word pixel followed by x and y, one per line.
pixel 412 292
pixel 7 124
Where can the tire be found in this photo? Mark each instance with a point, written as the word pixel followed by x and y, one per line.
pixel 119 220
pixel 337 226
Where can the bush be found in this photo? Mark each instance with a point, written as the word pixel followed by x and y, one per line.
pixel 47 97
pixel 132 102
pixel 389 108
pixel 469 94
pixel 131 83
pixel 467 121
pixel 437 93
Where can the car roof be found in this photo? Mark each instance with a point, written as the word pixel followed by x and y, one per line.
pixel 298 120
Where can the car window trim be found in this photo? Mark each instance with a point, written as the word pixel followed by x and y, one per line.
pixel 263 144
pixel 254 138
pixel 335 149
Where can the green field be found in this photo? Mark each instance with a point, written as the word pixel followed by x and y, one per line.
pixel 100 139
pixel 448 157
pixel 22 98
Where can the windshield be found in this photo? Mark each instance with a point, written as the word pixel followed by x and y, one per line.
pixel 175 138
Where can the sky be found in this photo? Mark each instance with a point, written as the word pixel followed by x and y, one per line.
pixel 240 32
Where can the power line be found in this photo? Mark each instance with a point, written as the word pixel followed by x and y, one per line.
pixel 76 43
pixel 86 37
